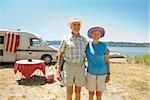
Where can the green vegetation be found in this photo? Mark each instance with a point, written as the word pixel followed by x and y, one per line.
pixel 145 59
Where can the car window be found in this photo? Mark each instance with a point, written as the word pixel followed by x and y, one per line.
pixel 1 39
pixel 35 42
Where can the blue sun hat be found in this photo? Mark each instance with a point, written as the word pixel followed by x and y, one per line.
pixel 96 28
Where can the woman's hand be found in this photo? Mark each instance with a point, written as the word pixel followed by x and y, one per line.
pixel 107 78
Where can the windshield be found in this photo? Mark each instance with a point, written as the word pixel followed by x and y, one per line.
pixel 42 41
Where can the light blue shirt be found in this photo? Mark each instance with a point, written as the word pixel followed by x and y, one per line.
pixel 95 54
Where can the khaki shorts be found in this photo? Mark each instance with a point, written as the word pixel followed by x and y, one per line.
pixel 95 83
pixel 73 74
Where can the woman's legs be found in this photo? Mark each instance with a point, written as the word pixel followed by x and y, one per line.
pixel 69 93
pixel 91 94
pixel 98 95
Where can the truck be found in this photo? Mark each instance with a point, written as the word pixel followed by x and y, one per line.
pixel 18 44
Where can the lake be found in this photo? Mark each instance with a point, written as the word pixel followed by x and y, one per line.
pixel 131 51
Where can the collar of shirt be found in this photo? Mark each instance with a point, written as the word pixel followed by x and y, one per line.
pixel 73 36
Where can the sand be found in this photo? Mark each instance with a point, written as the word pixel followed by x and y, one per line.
pixel 128 82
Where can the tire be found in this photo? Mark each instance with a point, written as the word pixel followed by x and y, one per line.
pixel 47 59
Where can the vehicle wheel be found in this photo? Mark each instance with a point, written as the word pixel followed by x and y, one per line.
pixel 47 59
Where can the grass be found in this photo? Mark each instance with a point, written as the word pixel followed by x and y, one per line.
pixel 134 79
pixel 145 59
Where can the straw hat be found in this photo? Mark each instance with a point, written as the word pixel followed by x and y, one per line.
pixel 73 20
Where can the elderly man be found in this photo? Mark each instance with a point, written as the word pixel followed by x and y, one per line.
pixel 72 49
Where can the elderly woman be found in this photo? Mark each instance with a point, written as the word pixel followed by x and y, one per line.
pixel 72 51
pixel 98 72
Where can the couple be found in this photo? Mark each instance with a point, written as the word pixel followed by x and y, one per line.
pixel 72 52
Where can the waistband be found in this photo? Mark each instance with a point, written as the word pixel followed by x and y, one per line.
pixel 75 63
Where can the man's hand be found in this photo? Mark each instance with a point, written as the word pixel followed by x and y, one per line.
pixel 58 75
pixel 107 78
pixel 59 66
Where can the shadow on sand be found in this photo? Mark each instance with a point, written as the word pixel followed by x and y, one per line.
pixel 34 81
pixel 6 65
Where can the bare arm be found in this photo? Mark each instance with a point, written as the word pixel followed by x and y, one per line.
pixel 59 66
pixel 108 66
pixel 60 59
pixel 107 61
pixel 59 62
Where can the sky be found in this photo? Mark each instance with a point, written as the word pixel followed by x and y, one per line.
pixel 123 20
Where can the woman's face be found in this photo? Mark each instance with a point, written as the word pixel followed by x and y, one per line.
pixel 75 26
pixel 96 34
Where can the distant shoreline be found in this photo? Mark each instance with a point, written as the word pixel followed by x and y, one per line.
pixel 112 44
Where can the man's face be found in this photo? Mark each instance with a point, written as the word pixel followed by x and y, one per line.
pixel 75 26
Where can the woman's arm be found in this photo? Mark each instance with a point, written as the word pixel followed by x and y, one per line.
pixel 107 61
pixel 108 65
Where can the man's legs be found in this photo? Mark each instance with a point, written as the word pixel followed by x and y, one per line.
pixel 77 93
pixel 91 94
pixel 79 80
pixel 69 93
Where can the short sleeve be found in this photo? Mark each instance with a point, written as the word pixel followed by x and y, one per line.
pixel 86 41
pixel 106 50
pixel 62 46
pixel 86 48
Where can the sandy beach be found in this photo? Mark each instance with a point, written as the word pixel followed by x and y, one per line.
pixel 128 82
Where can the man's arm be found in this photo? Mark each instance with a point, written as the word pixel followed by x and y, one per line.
pixel 60 55
pixel 59 66
pixel 59 62
pixel 60 59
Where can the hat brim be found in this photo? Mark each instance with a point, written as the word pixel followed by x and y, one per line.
pixel 74 22
pixel 96 28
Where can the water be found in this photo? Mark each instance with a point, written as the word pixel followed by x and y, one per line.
pixel 131 51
